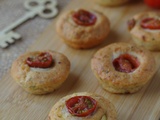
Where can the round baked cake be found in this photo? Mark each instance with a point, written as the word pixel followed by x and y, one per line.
pixel 145 30
pixel 111 2
pixel 123 67
pixel 83 28
pixel 40 72
pixel 83 106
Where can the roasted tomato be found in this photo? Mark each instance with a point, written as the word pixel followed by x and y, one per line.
pixel 43 60
pixel 153 3
pixel 84 18
pixel 131 23
pixel 125 63
pixel 150 23
pixel 81 106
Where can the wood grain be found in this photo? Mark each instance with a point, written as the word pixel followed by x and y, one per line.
pixel 16 104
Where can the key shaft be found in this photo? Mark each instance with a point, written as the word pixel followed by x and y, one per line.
pixel 27 16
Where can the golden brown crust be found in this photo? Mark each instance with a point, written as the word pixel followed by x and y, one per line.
pixel 39 80
pixel 144 37
pixel 60 112
pixel 78 36
pixel 120 82
pixel 111 2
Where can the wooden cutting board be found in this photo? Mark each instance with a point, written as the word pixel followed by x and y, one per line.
pixel 16 104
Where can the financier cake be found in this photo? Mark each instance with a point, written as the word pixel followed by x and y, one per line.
pixel 123 67
pixel 111 2
pixel 83 106
pixel 83 28
pixel 40 72
pixel 145 30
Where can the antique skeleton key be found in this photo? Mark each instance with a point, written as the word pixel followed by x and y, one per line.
pixel 43 8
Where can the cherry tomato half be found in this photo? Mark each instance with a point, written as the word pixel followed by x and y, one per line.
pixel 81 106
pixel 83 17
pixel 131 23
pixel 43 60
pixel 150 23
pixel 153 3
pixel 125 63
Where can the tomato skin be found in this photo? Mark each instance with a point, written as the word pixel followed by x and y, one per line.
pixel 84 18
pixel 43 60
pixel 150 23
pixel 125 63
pixel 131 23
pixel 81 106
pixel 153 3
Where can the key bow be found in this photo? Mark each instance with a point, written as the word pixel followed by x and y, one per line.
pixel 45 8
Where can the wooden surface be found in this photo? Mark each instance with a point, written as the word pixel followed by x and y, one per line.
pixel 16 104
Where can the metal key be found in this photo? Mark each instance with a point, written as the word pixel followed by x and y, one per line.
pixel 43 8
